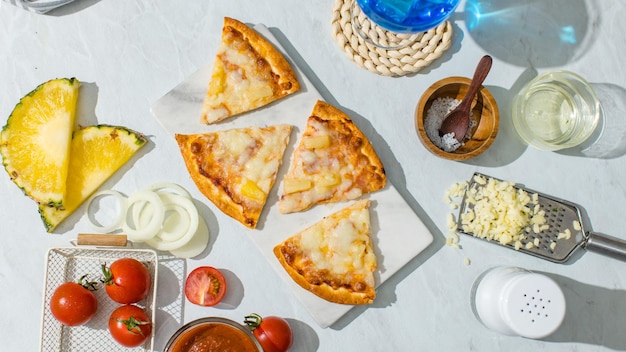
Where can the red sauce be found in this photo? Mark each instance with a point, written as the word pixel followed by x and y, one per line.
pixel 213 337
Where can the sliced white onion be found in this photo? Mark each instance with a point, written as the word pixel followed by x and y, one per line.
pixel 117 221
pixel 175 223
pixel 162 244
pixel 176 220
pixel 140 213
pixel 162 215
pixel 179 219
pixel 198 243
pixel 161 187
pixel 144 231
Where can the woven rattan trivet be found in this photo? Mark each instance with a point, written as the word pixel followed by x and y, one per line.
pixel 423 49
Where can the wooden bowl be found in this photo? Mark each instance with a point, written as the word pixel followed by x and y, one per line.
pixel 484 113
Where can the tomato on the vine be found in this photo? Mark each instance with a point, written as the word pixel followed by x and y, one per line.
pixel 274 333
pixel 127 280
pixel 73 303
pixel 205 286
pixel 130 325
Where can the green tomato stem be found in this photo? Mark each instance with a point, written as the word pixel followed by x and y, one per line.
pixel 108 275
pixel 253 320
pixel 133 325
pixel 90 285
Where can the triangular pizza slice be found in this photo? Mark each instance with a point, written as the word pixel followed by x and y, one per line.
pixel 334 161
pixel 248 72
pixel 236 169
pixel 334 258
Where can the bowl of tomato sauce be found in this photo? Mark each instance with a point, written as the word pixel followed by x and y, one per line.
pixel 213 334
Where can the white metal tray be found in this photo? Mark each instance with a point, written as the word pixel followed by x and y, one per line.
pixel 69 264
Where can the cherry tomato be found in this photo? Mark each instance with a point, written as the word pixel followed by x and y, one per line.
pixel 126 281
pixel 274 333
pixel 73 303
pixel 205 286
pixel 130 325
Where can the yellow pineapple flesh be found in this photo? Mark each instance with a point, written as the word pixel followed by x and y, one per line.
pixel 97 152
pixel 251 190
pixel 293 185
pixel 35 142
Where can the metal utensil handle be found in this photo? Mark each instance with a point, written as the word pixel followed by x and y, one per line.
pixel 606 245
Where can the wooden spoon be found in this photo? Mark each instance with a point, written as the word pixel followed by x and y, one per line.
pixel 458 120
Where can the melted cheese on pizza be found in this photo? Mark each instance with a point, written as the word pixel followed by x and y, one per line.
pixel 240 81
pixel 242 78
pixel 236 168
pixel 328 166
pixel 245 159
pixel 336 251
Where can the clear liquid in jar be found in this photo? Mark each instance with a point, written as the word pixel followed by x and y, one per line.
pixel 555 111
pixel 550 114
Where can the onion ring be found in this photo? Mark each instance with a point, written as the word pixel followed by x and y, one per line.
pixel 161 244
pixel 143 233
pixel 159 187
pixel 181 224
pixel 198 243
pixel 117 222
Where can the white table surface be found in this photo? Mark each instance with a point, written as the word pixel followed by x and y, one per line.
pixel 128 53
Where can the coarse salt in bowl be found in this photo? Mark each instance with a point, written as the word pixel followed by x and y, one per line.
pixel 442 97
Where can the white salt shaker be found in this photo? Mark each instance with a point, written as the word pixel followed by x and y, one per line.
pixel 514 301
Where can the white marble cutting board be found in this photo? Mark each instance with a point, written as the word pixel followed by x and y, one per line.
pixel 398 234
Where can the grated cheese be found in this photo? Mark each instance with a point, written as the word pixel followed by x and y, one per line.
pixel 499 211
pixel 450 223
pixel 566 234
pixel 552 245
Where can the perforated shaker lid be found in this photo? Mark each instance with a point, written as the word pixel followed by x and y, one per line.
pixel 533 306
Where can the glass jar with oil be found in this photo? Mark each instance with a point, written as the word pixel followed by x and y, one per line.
pixel 556 110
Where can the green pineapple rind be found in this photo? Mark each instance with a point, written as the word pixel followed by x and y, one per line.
pixel 3 141
pixel 140 140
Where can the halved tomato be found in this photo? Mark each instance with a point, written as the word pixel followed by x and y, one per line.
pixel 205 286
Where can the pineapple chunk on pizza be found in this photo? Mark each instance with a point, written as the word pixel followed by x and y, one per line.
pixel 333 162
pixel 236 169
pixel 248 73
pixel 334 258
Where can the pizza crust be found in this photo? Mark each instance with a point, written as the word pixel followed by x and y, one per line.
pixel 222 181
pixel 338 285
pixel 248 73
pixel 287 79
pixel 330 113
pixel 349 157
pixel 208 188
pixel 325 291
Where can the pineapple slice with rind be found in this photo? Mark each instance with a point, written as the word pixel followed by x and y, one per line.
pixel 35 142
pixel 97 152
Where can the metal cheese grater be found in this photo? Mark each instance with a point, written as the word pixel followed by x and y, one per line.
pixel 560 215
